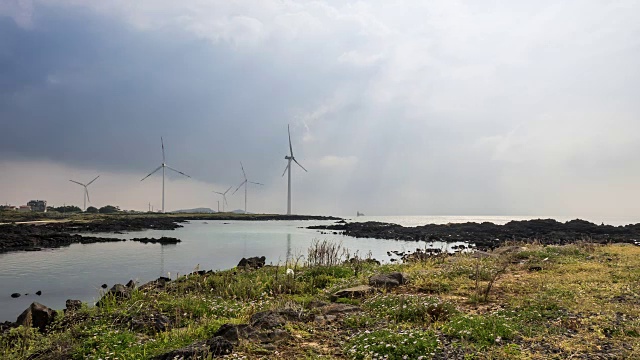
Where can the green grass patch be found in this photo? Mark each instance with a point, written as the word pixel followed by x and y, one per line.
pixel 392 345
pixel 481 330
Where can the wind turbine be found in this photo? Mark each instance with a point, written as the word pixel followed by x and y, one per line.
pixel 245 186
pixel 290 158
pixel 224 197
pixel 164 165
pixel 86 191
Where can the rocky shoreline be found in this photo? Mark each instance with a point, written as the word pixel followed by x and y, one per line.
pixel 32 237
pixel 487 236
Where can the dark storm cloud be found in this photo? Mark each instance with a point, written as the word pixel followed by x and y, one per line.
pixel 87 90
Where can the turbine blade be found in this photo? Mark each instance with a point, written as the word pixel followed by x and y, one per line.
pixel 239 186
pixel 86 191
pixel 255 183
pixel 218 193
pixel 243 173
pixel 227 190
pixel 179 172
pixel 153 172
pixel 285 169
pixel 77 182
pixel 300 165
pixel 93 180
pixel 225 200
pixel 162 142
pixel 290 147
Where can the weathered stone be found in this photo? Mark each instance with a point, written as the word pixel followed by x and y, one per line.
pixel 252 262
pixel 216 346
pixel 158 283
pixel 118 292
pixel 267 320
pixel 388 280
pixel 353 293
pixel 150 323
pixel 233 333
pixel 37 316
pixel 131 284
pixel 73 305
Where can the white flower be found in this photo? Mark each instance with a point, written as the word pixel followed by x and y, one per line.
pixel 290 272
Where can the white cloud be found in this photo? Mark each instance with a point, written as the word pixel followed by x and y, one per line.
pixel 21 11
pixel 334 161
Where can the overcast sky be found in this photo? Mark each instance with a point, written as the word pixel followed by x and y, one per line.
pixel 396 107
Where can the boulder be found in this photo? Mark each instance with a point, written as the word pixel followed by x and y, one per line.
pixel 15 295
pixel 118 292
pixel 233 333
pixel 266 320
pixel 72 305
pixel 353 293
pixel 37 316
pixel 5 326
pixel 131 284
pixel 150 323
pixel 215 346
pixel 159 283
pixel 252 262
pixel 391 280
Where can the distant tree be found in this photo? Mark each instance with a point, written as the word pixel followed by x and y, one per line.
pixel 109 209
pixel 65 209
pixel 92 210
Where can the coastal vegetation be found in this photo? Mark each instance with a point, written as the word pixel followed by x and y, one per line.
pixel 519 301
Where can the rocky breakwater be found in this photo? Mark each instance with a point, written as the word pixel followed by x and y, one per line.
pixel 487 236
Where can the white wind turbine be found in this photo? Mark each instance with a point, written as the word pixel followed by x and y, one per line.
pixel 245 186
pixel 224 197
pixel 290 158
pixel 86 191
pixel 164 165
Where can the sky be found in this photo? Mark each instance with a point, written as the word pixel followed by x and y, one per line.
pixel 407 107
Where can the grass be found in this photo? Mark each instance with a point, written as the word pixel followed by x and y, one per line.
pixel 582 302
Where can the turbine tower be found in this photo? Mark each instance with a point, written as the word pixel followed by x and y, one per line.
pixel 86 191
pixel 164 165
pixel 290 158
pixel 224 198
pixel 244 183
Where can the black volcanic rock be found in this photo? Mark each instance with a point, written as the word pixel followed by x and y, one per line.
pixel 487 236
pixel 37 316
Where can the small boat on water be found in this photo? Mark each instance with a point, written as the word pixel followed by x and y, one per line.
pixel 360 214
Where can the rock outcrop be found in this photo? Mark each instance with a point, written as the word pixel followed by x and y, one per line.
pixel 37 316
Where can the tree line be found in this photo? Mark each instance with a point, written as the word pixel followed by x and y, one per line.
pixel 109 209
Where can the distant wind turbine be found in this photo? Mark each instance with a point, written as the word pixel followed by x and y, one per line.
pixel 164 165
pixel 245 186
pixel 86 191
pixel 224 197
pixel 290 158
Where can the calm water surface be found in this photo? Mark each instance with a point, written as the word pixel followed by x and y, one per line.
pixel 77 271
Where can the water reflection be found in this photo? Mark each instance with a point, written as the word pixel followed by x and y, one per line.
pixel 288 247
